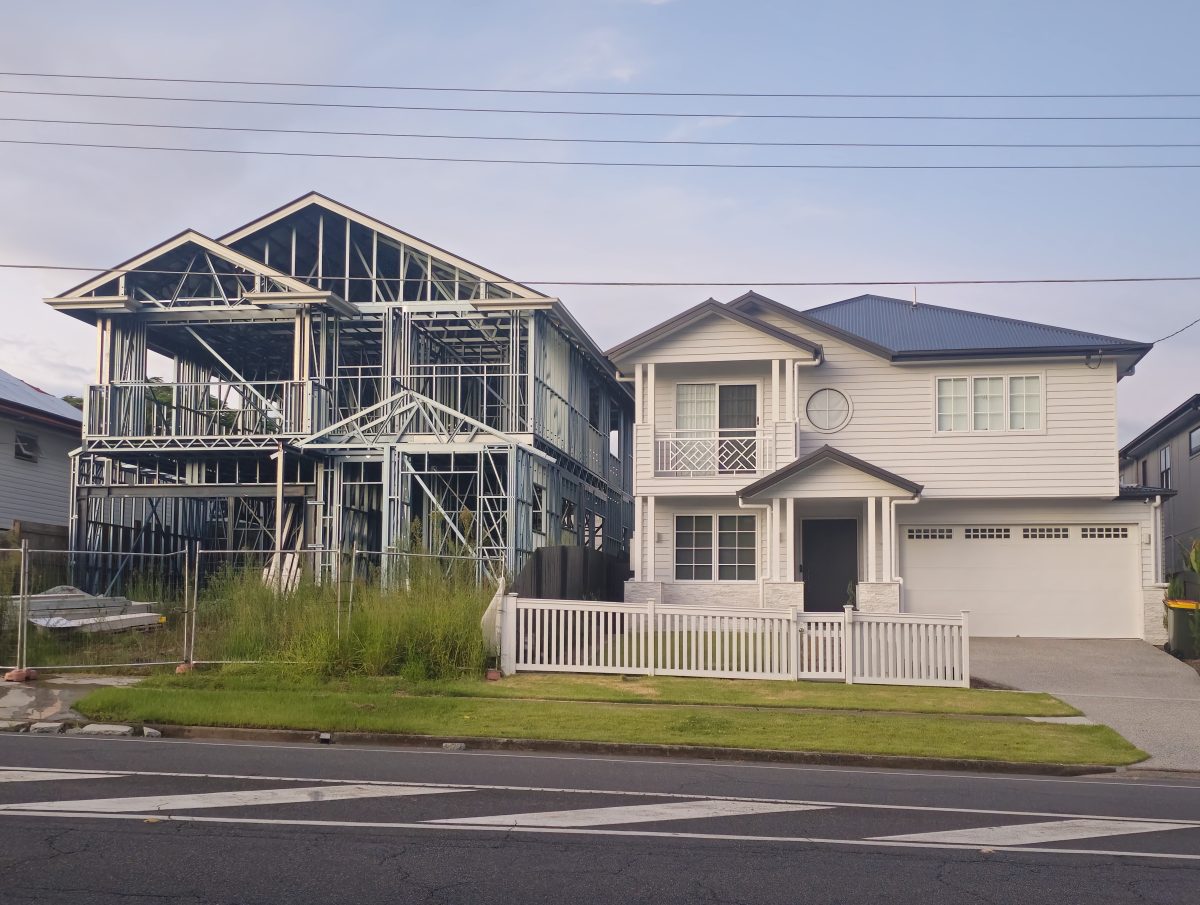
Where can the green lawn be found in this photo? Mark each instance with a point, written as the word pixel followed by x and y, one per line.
pixel 657 690
pixel 380 706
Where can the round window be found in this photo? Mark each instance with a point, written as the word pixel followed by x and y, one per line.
pixel 828 410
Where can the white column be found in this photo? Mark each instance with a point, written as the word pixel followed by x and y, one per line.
pixel 790 412
pixel 889 537
pixel 639 394
pixel 650 396
pixel 650 564
pixel 872 574
pixel 790 573
pixel 639 541
pixel 776 526
pixel 776 402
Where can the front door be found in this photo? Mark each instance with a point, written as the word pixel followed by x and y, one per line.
pixel 829 562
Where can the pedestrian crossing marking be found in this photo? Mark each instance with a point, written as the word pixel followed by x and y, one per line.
pixel 241 798
pixel 1049 831
pixel 638 813
pixel 49 775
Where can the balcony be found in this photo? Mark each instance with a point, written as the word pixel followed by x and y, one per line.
pixel 711 453
pixel 216 413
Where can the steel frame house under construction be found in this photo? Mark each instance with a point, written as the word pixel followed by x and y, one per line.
pixel 340 384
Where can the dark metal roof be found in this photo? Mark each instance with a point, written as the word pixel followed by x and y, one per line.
pixel 829 453
pixel 1174 422
pixel 705 309
pixel 1142 492
pixel 902 330
pixel 17 392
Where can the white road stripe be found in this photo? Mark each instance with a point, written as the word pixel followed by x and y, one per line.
pixel 1033 833
pixel 636 813
pixel 243 798
pixel 48 775
pixel 642 834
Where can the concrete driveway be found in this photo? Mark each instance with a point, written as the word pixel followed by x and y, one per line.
pixel 1146 695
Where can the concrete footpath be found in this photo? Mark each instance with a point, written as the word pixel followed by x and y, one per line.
pixel 1146 695
pixel 52 698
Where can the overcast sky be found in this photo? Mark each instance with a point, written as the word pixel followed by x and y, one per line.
pixel 98 207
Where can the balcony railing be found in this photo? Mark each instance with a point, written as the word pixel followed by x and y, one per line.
pixel 253 409
pixel 693 453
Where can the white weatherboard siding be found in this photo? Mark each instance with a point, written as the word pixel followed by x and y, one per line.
pixel 1052 587
pixel 717 338
pixel 35 491
pixel 893 424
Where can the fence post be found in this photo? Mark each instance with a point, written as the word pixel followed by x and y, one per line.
pixel 652 635
pixel 23 608
pixel 794 641
pixel 508 634
pixel 353 582
pixel 187 556
pixel 191 651
pixel 966 649
pixel 848 644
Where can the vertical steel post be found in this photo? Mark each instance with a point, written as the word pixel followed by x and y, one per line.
pixel 23 608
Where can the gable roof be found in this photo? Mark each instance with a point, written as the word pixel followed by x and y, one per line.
pixel 1179 419
pixel 710 308
pixel 17 393
pixel 829 453
pixel 899 330
pixel 336 207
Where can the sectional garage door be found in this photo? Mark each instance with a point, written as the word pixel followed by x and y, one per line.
pixel 1043 581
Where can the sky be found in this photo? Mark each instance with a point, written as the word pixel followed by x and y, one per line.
pixel 98 207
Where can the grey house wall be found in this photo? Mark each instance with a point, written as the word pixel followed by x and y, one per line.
pixel 1181 513
pixel 35 491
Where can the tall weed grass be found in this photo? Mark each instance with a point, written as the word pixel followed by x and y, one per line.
pixel 426 627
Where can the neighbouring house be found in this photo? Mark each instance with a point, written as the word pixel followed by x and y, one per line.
pixel 1167 455
pixel 37 434
pixel 907 458
pixel 337 384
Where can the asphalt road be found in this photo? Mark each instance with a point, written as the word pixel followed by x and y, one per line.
pixel 154 820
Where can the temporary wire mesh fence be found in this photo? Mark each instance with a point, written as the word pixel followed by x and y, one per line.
pixel 326 611
pixel 87 609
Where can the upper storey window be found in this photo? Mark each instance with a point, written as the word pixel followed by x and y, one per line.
pixel 989 403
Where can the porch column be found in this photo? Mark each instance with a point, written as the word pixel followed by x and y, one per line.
pixel 639 568
pixel 776 524
pixel 790 562
pixel 789 413
pixel 889 535
pixel 650 528
pixel 650 396
pixel 639 394
pixel 872 573
pixel 776 401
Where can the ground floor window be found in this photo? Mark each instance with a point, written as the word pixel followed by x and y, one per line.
pixel 730 553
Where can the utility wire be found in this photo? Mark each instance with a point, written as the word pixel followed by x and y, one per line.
pixel 678 283
pixel 601 141
pixel 1177 332
pixel 634 113
pixel 600 93
pixel 609 163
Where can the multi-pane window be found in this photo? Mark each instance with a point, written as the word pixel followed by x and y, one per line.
pixel 737 551
pixel 1045 533
pixel 989 403
pixel 930 533
pixel 1164 468
pixel 986 533
pixel 1194 441
pixel 1104 532
pixel 953 406
pixel 1024 403
pixel 729 555
pixel 693 547
pixel 696 406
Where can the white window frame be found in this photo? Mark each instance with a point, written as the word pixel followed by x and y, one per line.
pixel 1194 442
pixel 716 548
pixel 1164 467
pixel 970 378
pixel 759 401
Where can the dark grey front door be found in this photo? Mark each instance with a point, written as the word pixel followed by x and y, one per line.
pixel 829 559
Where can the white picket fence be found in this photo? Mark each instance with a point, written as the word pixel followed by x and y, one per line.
pixel 651 639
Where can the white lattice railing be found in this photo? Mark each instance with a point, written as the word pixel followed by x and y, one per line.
pixel 712 452
pixel 650 639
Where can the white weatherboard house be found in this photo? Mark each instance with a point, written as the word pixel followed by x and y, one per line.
pixel 907 457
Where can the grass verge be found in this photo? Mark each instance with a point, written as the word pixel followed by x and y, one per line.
pixel 836 732
pixel 653 690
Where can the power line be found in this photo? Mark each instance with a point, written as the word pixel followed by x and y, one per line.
pixel 602 93
pixel 684 283
pixel 1177 332
pixel 634 113
pixel 602 141
pixel 608 163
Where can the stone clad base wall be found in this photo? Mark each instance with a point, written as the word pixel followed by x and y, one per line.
pixel 1153 614
pixel 878 597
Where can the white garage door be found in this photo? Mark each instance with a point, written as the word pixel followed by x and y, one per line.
pixel 1046 581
